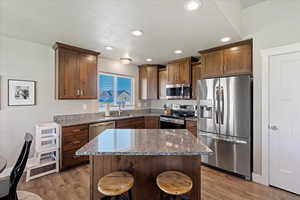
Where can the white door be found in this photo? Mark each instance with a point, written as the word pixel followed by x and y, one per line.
pixel 284 121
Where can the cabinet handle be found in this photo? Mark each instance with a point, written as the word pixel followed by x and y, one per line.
pixel 78 92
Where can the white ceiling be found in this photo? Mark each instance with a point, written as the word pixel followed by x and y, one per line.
pixel 248 3
pixel 95 24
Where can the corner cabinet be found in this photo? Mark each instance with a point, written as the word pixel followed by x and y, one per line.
pixel 162 83
pixel 76 72
pixel 196 75
pixel 148 82
pixel 227 60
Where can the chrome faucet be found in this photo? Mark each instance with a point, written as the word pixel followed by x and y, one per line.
pixel 120 111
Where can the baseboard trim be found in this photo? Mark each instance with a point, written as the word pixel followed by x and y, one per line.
pixel 257 178
pixel 6 172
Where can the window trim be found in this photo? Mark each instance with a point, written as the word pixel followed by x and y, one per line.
pixel 115 105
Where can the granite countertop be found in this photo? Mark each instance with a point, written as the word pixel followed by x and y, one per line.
pixel 191 118
pixel 97 119
pixel 145 142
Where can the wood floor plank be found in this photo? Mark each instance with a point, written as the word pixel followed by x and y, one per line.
pixel 74 185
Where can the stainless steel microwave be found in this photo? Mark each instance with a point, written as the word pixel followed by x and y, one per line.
pixel 178 91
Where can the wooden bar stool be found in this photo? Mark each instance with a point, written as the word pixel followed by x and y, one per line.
pixel 115 185
pixel 174 184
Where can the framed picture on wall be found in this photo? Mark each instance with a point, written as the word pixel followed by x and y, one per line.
pixel 21 92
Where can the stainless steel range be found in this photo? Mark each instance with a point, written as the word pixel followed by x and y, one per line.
pixel 176 120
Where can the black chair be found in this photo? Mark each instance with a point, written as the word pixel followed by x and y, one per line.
pixel 11 182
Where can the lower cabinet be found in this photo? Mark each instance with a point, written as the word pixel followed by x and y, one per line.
pixel 192 127
pixel 72 139
pixel 152 123
pixel 133 123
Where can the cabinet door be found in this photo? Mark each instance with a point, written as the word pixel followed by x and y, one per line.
pixel 163 79
pixel 88 76
pixel 237 60
pixel 184 72
pixel 196 75
pixel 143 83
pixel 173 73
pixel 212 64
pixel 68 75
pixel 192 127
pixel 152 123
pixel 152 76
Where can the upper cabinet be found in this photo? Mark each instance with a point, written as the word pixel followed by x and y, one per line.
pixel 76 72
pixel 179 71
pixel 212 64
pixel 231 59
pixel 196 75
pixel 162 83
pixel 148 82
pixel 238 60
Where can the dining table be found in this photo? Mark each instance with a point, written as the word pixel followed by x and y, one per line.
pixel 3 163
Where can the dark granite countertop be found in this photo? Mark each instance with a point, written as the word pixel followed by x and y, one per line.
pixel 145 142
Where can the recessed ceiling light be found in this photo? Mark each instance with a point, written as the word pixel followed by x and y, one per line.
pixel 225 39
pixel 149 59
pixel 137 32
pixel 109 48
pixel 178 51
pixel 126 61
pixel 191 5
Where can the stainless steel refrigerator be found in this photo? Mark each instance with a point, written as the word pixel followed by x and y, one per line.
pixel 225 122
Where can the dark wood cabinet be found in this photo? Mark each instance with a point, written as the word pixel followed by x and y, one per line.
pixel 148 79
pixel 152 123
pixel 179 71
pixel 72 139
pixel 196 75
pixel 132 123
pixel 212 64
pixel 191 125
pixel 76 72
pixel 238 60
pixel 162 83
pixel 227 60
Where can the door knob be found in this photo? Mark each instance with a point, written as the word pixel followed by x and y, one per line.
pixel 273 127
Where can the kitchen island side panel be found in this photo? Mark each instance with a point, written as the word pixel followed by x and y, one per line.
pixel 145 170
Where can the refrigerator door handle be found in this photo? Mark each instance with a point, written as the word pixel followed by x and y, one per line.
pixel 218 104
pixel 222 104
pixel 217 138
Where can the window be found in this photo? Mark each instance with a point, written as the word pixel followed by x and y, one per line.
pixel 115 90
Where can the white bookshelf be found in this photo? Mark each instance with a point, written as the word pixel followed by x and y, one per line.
pixel 46 159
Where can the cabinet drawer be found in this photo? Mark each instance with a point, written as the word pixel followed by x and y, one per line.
pixel 74 130
pixel 69 159
pixel 74 142
pixel 130 123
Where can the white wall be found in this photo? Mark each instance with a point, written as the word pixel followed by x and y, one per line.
pixel 31 61
pixel 271 23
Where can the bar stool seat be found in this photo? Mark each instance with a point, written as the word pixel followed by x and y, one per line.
pixel 174 183
pixel 115 183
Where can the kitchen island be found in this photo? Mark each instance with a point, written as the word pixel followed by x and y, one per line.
pixel 145 153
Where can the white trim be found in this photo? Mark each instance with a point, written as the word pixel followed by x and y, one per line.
pixel 266 54
pixel 257 178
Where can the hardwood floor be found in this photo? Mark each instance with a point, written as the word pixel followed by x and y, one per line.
pixel 74 185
